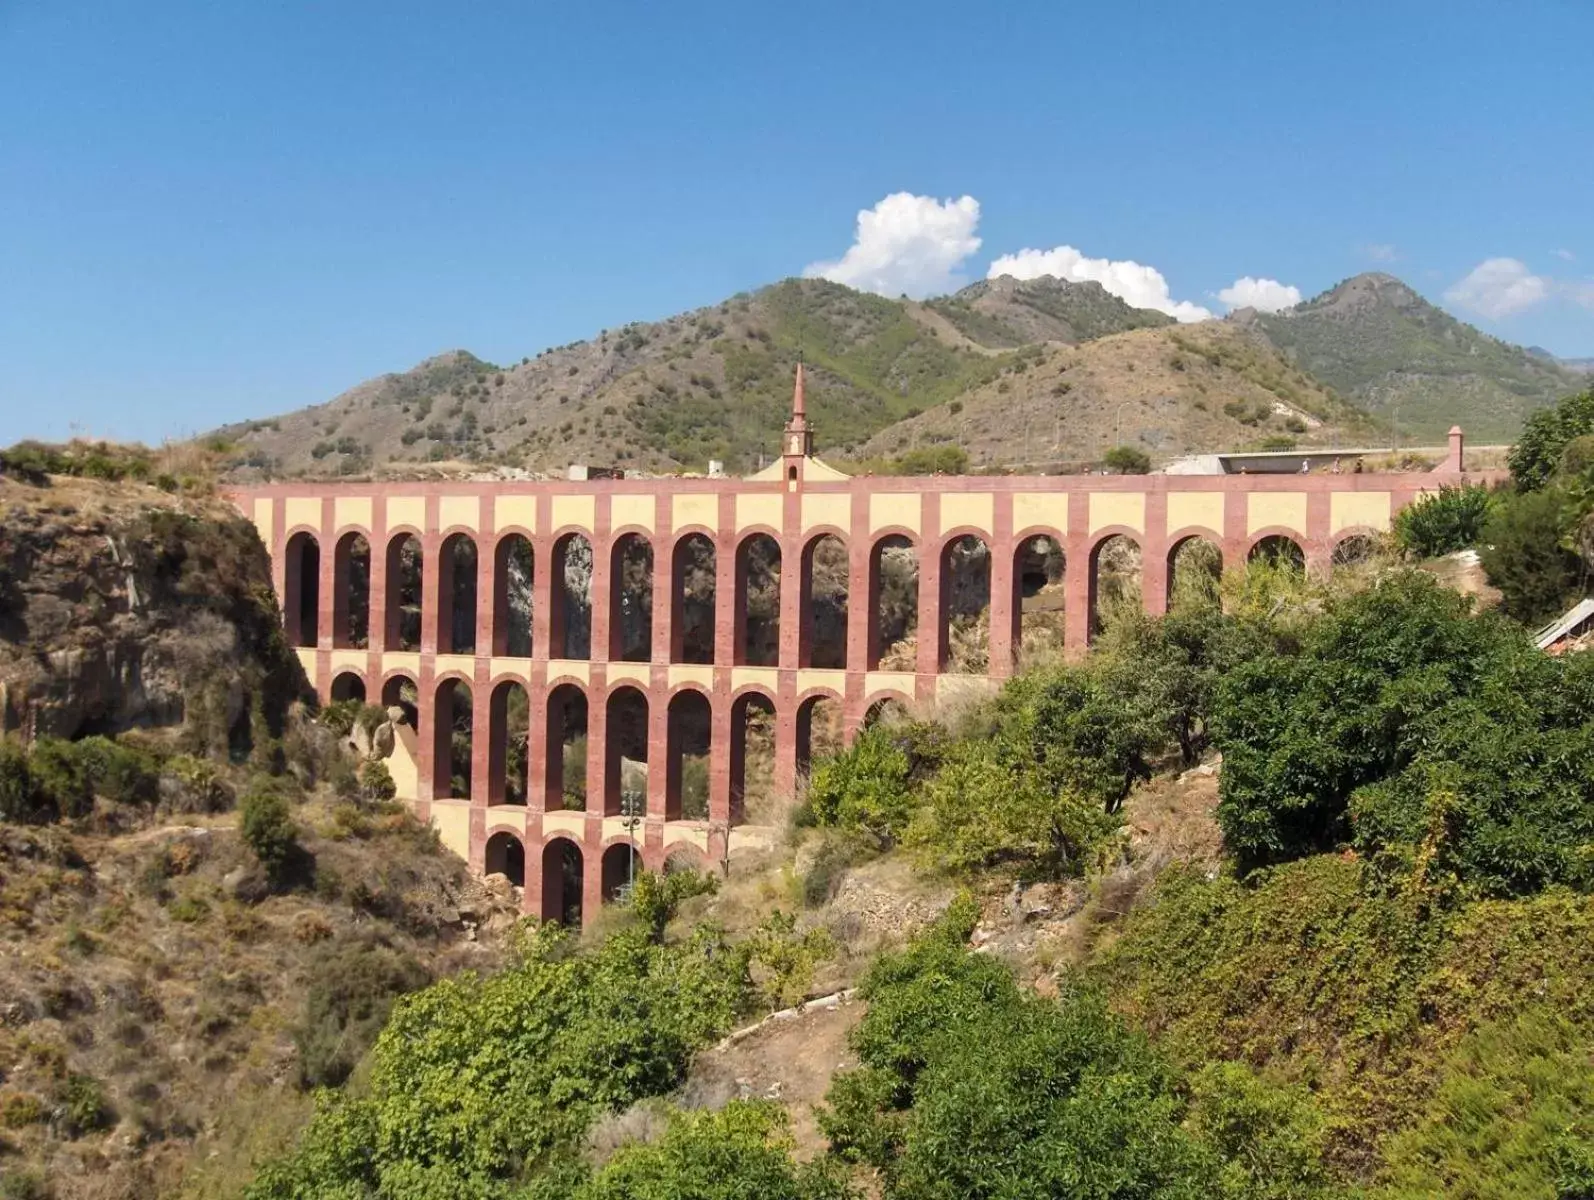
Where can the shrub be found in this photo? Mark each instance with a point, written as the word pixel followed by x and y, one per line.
pixel 58 776
pixel 120 773
pixel 1544 439
pixel 1441 743
pixel 1127 460
pixel 20 800
pixel 84 1105
pixel 350 993
pixel 1445 521
pixel 867 786
pixel 266 824
pixel 1525 558
pixel 376 781
pixel 655 897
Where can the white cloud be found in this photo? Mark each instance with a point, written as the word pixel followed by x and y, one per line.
pixel 1264 295
pixel 907 244
pixel 1499 287
pixel 1141 286
pixel 1380 252
pixel 1564 255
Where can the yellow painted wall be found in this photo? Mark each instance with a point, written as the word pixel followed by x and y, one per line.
pixel 1118 508
pixel 404 765
pixel 352 510
pixel 572 824
pixel 573 510
pixel 698 673
pixel 766 677
pixel 459 510
pixel 573 668
pixel 633 510
pixel 831 509
pixel 758 510
pixel 515 510
pixel 884 681
pixel 1039 508
pixel 306 660
pixel 406 510
pixel 697 508
pixel 966 508
pixel 693 835
pixel 1358 508
pixel 464 664
pixel 811 677
pixel 407 661
pixel 895 508
pixel 263 521
pixel 1195 508
pixel 303 510
pixel 350 660
pixel 1286 509
pixel 452 819
pixel 629 672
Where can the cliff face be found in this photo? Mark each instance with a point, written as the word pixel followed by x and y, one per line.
pixel 124 607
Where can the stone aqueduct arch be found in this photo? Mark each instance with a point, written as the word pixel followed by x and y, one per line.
pixel 1037 537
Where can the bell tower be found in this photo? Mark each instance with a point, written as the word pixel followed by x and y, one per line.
pixel 797 442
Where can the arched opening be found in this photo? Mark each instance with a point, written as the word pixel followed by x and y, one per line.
pixel 964 630
pixel 621 863
pixel 752 759
pixel 758 601
pixel 888 711
pixel 301 610
pixel 509 750
pixel 565 749
pixel 1195 575
pixel 625 783
pixel 893 604
pixel 347 685
pixel 400 692
pixel 456 634
pixel 820 731
pixel 562 882
pixel 1356 551
pixel 826 582
pixel 402 604
pixel 1279 552
pixel 506 856
pixel 570 622
pixel 1114 580
pixel 351 610
pixel 1039 575
pixel 451 741
pixel 691 735
pixel 631 599
pixel 512 590
pixel 692 592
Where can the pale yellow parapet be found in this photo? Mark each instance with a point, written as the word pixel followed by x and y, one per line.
pixel 627 509
pixel 967 509
pixel 758 510
pixel 696 508
pixel 577 511
pixel 1118 508
pixel 1046 510
pixel 895 508
pixel 1284 510
pixel 1349 509
pixel 1195 508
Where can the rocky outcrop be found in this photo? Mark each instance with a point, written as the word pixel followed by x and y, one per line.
pixel 124 607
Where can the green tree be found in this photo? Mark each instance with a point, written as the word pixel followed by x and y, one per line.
pixel 741 1152
pixel 1442 522
pixel 265 821
pixel 1545 435
pixel 1524 556
pixel 1127 460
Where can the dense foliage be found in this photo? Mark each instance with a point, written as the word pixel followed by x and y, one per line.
pixel 478 1083
pixel 1544 438
pixel 1432 739
pixel 1442 522
pixel 972 1088
pixel 1451 1025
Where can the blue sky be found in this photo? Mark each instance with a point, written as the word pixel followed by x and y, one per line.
pixel 217 210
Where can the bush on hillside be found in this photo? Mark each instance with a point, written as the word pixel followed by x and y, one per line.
pixel 1438 742
pixel 1525 556
pixel 1127 460
pixel 740 1152
pixel 1442 522
pixel 265 820
pixel 969 1084
pixel 478 1084
pixel 350 993
pixel 1545 437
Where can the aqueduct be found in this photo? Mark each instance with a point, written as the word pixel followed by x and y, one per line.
pixel 552 641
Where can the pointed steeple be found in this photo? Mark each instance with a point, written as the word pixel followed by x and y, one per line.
pixel 799 438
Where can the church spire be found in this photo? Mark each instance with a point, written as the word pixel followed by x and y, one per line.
pixel 799 439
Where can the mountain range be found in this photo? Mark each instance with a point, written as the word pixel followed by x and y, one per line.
pixel 1015 373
